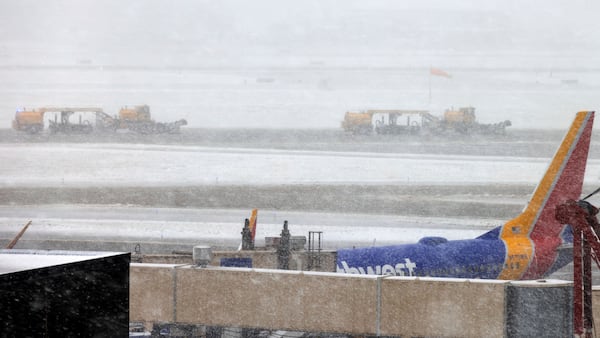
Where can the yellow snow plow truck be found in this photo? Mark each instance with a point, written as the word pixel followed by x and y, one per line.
pixel 410 122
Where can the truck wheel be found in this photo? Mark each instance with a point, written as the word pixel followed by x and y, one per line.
pixel 34 129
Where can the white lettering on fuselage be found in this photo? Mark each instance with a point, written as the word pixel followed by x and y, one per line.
pixel 400 269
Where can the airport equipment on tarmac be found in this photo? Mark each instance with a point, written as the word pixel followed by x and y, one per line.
pixel 581 215
pixel 65 125
pixel 32 121
pixel 410 122
pixel 14 241
pixel 136 119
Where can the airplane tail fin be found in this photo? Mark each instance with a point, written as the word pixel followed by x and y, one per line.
pixel 253 219
pixel 536 227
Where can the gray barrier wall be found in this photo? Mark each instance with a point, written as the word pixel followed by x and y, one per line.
pixel 353 304
pixel 537 309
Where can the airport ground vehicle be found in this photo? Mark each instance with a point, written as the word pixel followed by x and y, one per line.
pixel 135 119
pixel 462 121
pixel 138 119
pixel 582 217
pixel 82 126
pixel 32 121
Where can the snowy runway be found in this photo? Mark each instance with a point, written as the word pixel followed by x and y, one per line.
pixel 163 229
pixel 159 165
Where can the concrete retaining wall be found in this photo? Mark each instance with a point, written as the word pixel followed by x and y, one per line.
pixel 292 301
pixel 320 302
pixel 442 308
pixel 152 293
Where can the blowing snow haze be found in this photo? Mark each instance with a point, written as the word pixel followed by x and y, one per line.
pixel 302 64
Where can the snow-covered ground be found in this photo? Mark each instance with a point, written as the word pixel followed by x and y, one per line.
pixel 167 229
pixel 161 165
pixel 121 227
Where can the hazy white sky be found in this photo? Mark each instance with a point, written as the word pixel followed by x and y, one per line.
pixel 108 32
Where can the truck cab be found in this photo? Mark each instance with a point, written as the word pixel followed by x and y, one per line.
pixel 31 121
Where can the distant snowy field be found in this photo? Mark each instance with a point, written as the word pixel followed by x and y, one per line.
pixel 161 165
pixel 122 227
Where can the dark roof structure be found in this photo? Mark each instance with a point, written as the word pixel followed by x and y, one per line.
pixel 49 293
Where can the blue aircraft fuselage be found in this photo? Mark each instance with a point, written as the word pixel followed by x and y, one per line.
pixel 482 257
